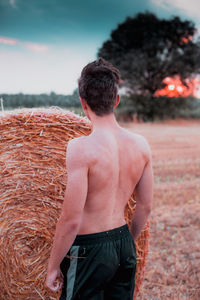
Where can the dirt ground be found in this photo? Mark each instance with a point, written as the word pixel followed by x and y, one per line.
pixel 173 264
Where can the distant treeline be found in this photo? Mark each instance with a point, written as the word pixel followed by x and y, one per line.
pixel 11 101
pixel 136 106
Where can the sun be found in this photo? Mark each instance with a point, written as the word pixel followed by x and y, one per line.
pixel 175 88
pixel 171 87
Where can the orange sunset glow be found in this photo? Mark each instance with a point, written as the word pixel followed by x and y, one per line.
pixel 186 40
pixel 175 88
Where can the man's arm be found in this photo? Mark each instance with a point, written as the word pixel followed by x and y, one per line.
pixel 68 224
pixel 143 195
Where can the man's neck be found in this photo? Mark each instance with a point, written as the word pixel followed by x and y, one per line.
pixel 108 122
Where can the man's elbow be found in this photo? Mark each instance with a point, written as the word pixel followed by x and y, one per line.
pixel 70 225
pixel 148 209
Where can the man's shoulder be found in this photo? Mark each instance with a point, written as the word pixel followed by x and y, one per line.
pixel 142 144
pixel 77 140
pixel 78 148
pixel 141 139
pixel 137 138
pixel 79 143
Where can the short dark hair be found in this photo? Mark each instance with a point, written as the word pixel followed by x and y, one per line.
pixel 98 86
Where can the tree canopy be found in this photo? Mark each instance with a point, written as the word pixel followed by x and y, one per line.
pixel 147 49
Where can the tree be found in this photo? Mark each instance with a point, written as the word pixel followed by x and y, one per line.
pixel 146 50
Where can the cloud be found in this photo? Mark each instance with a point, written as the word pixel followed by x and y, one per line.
pixel 12 3
pixel 190 8
pixel 7 41
pixel 35 47
pixel 161 3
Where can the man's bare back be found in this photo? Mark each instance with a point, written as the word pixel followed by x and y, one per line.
pixel 103 170
pixel 116 159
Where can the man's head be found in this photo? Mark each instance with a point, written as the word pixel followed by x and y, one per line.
pixel 98 86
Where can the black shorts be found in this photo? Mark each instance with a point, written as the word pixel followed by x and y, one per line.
pixel 101 266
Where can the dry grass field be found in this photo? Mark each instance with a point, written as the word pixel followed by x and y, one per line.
pixel 173 265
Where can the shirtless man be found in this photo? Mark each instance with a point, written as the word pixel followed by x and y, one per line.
pixel 93 254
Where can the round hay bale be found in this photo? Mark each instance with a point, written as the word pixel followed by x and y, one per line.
pixel 32 186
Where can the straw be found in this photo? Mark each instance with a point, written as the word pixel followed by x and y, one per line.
pixel 33 182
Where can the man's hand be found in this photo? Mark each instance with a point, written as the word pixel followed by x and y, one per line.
pixel 54 280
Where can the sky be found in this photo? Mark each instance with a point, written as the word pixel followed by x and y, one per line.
pixel 44 44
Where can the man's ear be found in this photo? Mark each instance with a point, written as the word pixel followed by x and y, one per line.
pixel 85 108
pixel 117 101
pixel 83 102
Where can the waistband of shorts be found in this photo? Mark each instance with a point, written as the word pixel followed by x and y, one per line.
pixel 99 237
